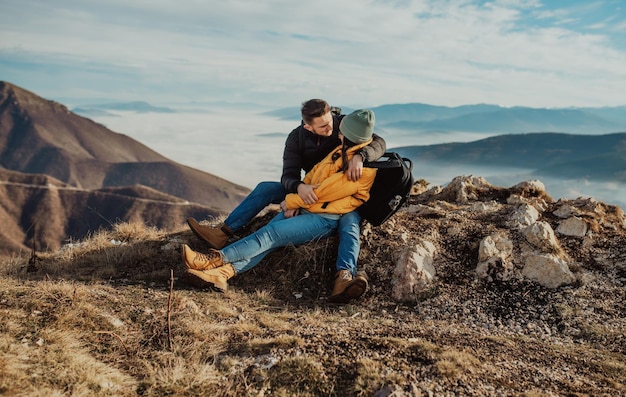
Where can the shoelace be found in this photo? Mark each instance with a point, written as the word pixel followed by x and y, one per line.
pixel 203 257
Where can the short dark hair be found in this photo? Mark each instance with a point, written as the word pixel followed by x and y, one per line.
pixel 313 108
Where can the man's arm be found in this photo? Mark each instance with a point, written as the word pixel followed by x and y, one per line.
pixel 374 150
pixel 365 154
pixel 292 162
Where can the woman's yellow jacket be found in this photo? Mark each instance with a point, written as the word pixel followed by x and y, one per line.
pixel 335 193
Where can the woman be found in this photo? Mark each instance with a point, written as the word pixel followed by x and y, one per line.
pixel 299 222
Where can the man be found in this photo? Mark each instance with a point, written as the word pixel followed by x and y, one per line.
pixel 308 144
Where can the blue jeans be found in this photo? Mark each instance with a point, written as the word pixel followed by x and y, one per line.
pixel 349 230
pixel 266 193
pixel 279 232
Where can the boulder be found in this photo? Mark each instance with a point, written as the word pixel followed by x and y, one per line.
pixel 495 258
pixel 547 270
pixel 541 236
pixel 573 226
pixel 414 271
pixel 523 216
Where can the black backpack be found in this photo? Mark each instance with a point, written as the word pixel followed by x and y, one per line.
pixel 391 188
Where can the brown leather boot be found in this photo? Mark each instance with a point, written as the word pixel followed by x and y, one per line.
pixel 215 236
pixel 216 278
pixel 347 288
pixel 198 261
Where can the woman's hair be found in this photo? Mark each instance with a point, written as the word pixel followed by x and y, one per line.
pixel 347 144
pixel 313 108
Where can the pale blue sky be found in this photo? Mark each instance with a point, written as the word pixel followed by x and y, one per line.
pixel 352 53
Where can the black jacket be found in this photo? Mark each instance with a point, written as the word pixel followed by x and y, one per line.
pixel 304 149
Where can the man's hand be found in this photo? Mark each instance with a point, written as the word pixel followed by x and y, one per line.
pixel 355 168
pixel 307 194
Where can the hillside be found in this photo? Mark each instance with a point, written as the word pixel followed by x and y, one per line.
pixel 38 211
pixel 601 157
pixel 39 136
pixel 476 290
pixel 72 176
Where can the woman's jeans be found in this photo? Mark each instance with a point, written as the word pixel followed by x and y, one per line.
pixel 279 232
pixel 266 193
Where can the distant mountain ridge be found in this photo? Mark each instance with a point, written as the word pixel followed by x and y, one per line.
pixel 42 137
pixel 515 121
pixel 412 118
pixel 522 150
pixel 600 157
pixel 570 162
pixel 135 106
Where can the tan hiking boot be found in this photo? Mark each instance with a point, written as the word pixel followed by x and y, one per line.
pixel 198 261
pixel 216 278
pixel 215 236
pixel 347 288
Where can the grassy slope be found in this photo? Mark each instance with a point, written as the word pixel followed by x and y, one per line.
pixel 96 318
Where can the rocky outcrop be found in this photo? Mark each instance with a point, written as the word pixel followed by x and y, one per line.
pixel 524 235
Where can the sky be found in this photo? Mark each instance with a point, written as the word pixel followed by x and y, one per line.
pixel 278 53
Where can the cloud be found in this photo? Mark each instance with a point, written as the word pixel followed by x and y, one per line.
pixel 240 146
pixel 353 53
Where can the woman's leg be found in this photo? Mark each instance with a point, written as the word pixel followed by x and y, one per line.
pixel 248 252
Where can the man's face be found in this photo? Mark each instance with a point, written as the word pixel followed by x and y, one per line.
pixel 322 125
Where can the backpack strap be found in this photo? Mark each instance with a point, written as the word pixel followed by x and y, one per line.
pixel 393 161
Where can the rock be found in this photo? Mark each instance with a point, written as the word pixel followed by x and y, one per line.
pixel 530 188
pixel 414 271
pixel 566 211
pixel 547 270
pixel 462 189
pixel 573 226
pixel 541 236
pixel 494 258
pixel 524 216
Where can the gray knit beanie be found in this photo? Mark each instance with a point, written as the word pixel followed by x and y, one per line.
pixel 358 126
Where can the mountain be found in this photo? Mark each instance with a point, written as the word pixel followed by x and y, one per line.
pixel 41 211
pixel 615 114
pixel 43 137
pixel 515 120
pixel 98 172
pixel 570 165
pixel 536 150
pixel 412 118
pixel 418 112
pixel 136 106
pixel 601 157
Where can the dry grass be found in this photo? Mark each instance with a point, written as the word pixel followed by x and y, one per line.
pixel 93 319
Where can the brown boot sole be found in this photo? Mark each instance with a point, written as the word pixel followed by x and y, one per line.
pixel 354 290
pixel 193 278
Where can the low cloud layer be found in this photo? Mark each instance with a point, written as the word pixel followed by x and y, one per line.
pixel 246 147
